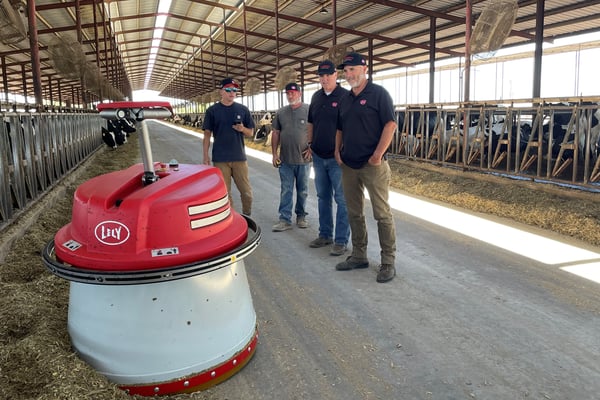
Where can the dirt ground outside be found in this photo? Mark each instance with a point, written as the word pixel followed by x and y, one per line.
pixel 36 359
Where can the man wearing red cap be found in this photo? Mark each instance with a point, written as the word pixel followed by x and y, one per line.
pixel 290 133
pixel 228 122
pixel 366 126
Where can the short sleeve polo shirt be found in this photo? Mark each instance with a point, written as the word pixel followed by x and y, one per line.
pixel 361 120
pixel 322 114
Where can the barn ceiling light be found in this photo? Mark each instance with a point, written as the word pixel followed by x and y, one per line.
pixel 323 11
pixel 161 20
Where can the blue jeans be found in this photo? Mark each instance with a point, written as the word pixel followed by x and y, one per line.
pixel 328 182
pixel 293 175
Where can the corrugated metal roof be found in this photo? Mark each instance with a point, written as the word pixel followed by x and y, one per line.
pixel 204 40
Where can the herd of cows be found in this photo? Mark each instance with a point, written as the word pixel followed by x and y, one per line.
pixel 565 134
pixel 117 132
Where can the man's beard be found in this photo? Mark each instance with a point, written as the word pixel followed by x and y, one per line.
pixel 355 82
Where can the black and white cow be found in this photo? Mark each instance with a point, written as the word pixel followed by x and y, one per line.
pixel 117 131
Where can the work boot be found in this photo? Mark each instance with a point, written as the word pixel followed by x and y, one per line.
pixel 338 249
pixel 352 263
pixel 386 273
pixel 301 222
pixel 320 242
pixel 282 226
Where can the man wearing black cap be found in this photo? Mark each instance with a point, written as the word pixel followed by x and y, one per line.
pixel 322 123
pixel 290 133
pixel 228 122
pixel 366 125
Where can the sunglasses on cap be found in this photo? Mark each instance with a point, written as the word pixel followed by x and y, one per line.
pixel 230 89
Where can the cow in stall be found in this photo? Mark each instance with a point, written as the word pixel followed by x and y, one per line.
pixel 555 131
pixel 117 131
pixel 109 138
pixel 128 127
pixel 197 122
pixel 263 134
pixel 567 133
pixel 416 128
pixel 476 129
pixel 590 120
pixel 564 132
pixel 187 120
pixel 502 128
pixel 487 135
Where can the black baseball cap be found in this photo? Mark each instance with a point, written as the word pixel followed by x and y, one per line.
pixel 229 82
pixel 326 68
pixel 352 59
pixel 292 86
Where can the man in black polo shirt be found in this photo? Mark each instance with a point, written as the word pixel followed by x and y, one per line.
pixel 322 126
pixel 366 125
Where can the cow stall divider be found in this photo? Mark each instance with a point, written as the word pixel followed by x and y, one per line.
pixel 159 300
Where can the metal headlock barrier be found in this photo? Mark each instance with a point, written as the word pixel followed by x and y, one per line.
pixel 548 141
pixel 551 141
pixel 37 150
pixel 541 140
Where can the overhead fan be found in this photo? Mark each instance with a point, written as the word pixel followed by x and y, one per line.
pixel 284 76
pixel 110 92
pixel 253 86
pixel 493 26
pixel 12 22
pixel 337 52
pixel 68 57
pixel 92 78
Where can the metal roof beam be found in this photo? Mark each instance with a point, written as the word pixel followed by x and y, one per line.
pixel 367 35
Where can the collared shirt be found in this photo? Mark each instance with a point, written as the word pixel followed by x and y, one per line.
pixel 361 120
pixel 323 114
pixel 228 144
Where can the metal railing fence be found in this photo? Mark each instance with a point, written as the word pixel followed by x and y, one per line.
pixel 37 150
pixel 557 142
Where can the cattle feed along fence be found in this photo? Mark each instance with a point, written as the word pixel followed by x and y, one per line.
pixel 37 150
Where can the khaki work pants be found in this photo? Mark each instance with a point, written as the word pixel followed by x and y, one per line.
pixel 238 170
pixel 376 179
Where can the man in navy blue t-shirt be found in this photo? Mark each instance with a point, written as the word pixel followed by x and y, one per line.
pixel 228 122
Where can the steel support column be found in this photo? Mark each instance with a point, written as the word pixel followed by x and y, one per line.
pixel 537 54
